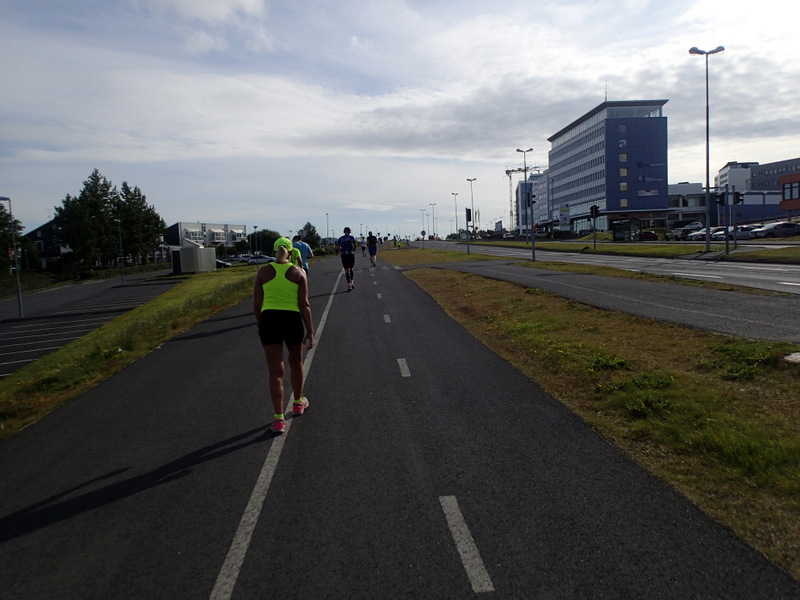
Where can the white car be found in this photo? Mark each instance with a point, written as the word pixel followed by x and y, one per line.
pixel 742 233
pixel 260 260
pixel 699 236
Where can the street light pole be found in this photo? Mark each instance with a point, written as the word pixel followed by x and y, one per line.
pixel 433 216
pixel 528 205
pixel 16 257
pixel 422 233
pixel 121 253
pixel 697 51
pixel 455 205
pixel 472 209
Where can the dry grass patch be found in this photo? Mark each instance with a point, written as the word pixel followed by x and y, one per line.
pixel 716 417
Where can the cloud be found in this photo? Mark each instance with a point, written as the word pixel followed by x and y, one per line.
pixel 383 105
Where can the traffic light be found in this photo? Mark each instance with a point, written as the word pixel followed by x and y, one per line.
pixel 532 201
pixel 720 199
pixel 594 210
pixel 738 198
pixel 469 215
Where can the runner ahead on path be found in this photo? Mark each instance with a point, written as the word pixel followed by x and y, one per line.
pixel 372 244
pixel 281 308
pixel 347 248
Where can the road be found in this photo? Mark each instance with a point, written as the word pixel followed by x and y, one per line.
pixel 408 476
pixel 779 278
pixel 58 315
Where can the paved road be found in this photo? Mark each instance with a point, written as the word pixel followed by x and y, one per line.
pixel 55 317
pixel 775 277
pixel 425 467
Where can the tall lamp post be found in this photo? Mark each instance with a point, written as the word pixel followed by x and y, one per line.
pixel 433 216
pixel 255 239
pixel 455 206
pixel 422 233
pixel 528 201
pixel 121 254
pixel 16 253
pixel 472 210
pixel 695 50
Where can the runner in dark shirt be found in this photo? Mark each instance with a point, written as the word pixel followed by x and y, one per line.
pixel 347 249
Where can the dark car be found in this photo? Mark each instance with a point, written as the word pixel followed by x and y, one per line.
pixel 773 230
pixel 648 236
pixel 221 264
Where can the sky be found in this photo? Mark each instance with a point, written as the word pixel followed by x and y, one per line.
pixel 364 114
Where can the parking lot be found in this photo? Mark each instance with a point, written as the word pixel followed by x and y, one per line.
pixel 54 318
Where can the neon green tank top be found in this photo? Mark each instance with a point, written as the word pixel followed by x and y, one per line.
pixel 279 292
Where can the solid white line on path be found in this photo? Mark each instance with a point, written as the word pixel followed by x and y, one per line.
pixel 470 557
pixel 697 275
pixel 229 573
pixel 786 283
pixel 404 370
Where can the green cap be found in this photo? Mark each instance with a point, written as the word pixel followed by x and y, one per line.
pixel 285 242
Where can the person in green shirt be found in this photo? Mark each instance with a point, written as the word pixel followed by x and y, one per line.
pixel 283 315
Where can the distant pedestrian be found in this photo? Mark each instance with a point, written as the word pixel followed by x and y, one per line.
pixel 363 248
pixel 305 251
pixel 347 248
pixel 372 245
pixel 282 311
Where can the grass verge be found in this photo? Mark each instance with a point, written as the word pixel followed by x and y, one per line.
pixel 44 385
pixel 716 417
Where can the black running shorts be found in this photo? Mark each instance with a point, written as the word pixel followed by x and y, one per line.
pixel 348 261
pixel 281 326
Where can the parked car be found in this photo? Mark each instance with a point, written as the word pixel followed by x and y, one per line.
pixel 221 264
pixel 677 234
pixel 260 260
pixel 700 235
pixel 508 236
pixel 648 236
pixel 742 233
pixel 693 226
pixel 773 230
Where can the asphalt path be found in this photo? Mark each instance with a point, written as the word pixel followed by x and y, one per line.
pixel 425 467
pixel 734 313
pixel 54 317
pixel 784 278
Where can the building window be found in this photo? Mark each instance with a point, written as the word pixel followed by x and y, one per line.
pixel 623 172
pixel 623 202
pixel 623 186
pixel 623 128
pixel 623 157
pixel 623 143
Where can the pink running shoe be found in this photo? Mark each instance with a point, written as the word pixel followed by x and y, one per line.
pixel 299 406
pixel 278 426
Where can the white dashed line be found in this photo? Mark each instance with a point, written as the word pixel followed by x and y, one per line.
pixel 404 371
pixel 470 557
pixel 387 319
pixel 380 296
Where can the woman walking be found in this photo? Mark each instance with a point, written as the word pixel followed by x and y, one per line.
pixel 282 312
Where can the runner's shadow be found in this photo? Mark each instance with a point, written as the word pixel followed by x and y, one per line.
pixel 50 511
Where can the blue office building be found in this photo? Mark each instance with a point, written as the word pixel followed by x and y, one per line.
pixel 613 157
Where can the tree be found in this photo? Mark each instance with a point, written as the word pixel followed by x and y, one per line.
pixel 263 239
pixel 5 238
pixel 85 223
pixel 91 223
pixel 310 235
pixel 142 227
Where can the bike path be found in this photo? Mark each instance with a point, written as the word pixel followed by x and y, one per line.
pixel 137 488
